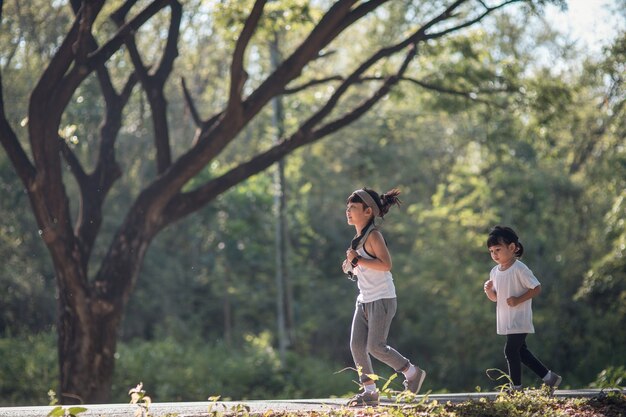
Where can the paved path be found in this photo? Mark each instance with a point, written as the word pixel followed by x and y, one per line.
pixel 203 409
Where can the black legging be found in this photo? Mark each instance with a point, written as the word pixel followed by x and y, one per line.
pixel 516 352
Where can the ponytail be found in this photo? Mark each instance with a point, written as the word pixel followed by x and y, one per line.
pixel 388 199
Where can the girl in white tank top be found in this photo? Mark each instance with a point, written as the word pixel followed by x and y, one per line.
pixel 369 263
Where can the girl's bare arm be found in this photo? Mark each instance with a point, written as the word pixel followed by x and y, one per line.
pixel 376 246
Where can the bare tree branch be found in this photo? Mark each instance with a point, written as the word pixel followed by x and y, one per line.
pixel 190 104
pixel 170 52
pixel 312 83
pixel 325 31
pixel 153 82
pixel 470 95
pixel 188 202
pixel 127 29
pixel 73 163
pixel 238 75
pixel 82 46
pixel 94 187
pixel 241 172
pixel 223 130
pixel 445 15
pixel 467 23
pixel 367 104
pixel 119 16
pixel 183 204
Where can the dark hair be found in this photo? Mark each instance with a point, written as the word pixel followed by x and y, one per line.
pixel 383 201
pixel 502 235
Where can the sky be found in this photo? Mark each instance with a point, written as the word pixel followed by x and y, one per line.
pixel 589 22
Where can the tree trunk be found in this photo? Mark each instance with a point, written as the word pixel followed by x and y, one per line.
pixel 87 334
pixel 90 313
pixel 87 346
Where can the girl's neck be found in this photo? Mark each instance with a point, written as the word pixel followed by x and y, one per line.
pixel 360 227
pixel 507 265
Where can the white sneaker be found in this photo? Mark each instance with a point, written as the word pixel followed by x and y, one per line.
pixel 553 381
pixel 415 384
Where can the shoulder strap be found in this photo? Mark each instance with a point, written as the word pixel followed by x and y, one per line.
pixel 359 240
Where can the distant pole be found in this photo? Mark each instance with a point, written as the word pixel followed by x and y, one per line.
pixel 283 287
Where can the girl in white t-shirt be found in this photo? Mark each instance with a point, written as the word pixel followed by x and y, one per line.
pixel 512 285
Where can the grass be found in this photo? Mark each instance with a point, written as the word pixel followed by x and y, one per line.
pixel 530 403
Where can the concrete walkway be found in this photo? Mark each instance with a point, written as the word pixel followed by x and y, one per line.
pixel 205 408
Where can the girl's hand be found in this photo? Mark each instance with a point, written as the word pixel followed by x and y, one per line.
pixel 346 267
pixel 512 301
pixel 351 254
pixel 489 291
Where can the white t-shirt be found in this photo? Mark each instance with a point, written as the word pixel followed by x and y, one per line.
pixel 515 281
pixel 373 285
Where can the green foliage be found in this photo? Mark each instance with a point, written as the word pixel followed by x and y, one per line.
pixel 613 377
pixel 176 370
pixel 517 404
pixel 60 411
pixel 28 369
pixel 194 370
pixel 529 403
pixel 26 282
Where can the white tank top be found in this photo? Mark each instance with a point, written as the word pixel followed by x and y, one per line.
pixel 373 285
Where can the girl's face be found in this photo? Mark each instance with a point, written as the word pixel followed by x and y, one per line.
pixel 358 214
pixel 503 254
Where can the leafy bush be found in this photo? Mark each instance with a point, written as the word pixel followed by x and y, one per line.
pixel 612 377
pixel 173 370
pixel 28 369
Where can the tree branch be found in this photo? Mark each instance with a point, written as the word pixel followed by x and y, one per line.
pixel 447 14
pixel 312 83
pixel 413 39
pixel 238 75
pixel 170 53
pixel 183 204
pixel 190 104
pixel 101 55
pixel 369 103
pixel 119 16
pixel 325 31
pixel 73 163
pixel 223 128
pixel 82 46
pixel 470 95
pixel 153 82
pixel 353 79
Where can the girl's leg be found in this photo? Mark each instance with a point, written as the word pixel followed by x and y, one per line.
pixel 512 354
pixel 532 362
pixel 358 343
pixel 380 313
